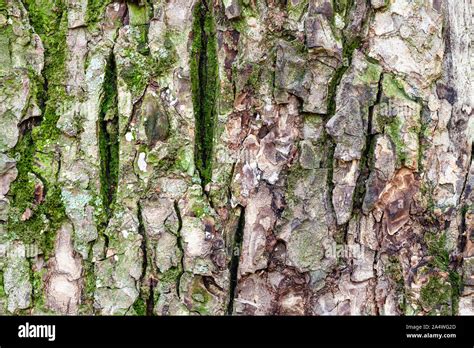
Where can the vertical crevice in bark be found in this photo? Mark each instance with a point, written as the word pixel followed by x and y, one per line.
pixel 204 81
pixel 466 177
pixel 376 277
pixel 398 226
pixel 464 233
pixel 150 302
pixel 368 158
pixel 367 154
pixel 145 302
pixel 180 246
pixel 89 279
pixel 340 233
pixel 234 262
pixel 108 138
pixel 463 230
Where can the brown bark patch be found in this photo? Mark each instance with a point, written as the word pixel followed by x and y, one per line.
pixel 396 198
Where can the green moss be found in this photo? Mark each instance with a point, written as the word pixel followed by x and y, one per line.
pixel 2 287
pixel 296 11
pixel 341 6
pixel 49 19
pixel 171 276
pixel 423 133
pixel 108 138
pixel 393 129
pixel 436 296
pixel 335 80
pixel 86 306
pixel 162 164
pixel 393 88
pixel 184 160
pixel 398 122
pixel 142 67
pixel 200 298
pixel 139 18
pixel 456 282
pixel 205 83
pixel 135 76
pixel 41 227
pixel 198 210
pixel 47 215
pixel 393 269
pixel 45 164
pixel 138 14
pixel 45 16
pixel 248 11
pixel 437 249
pixel 139 306
pixel 427 191
pixel 371 74
pixel 440 260
pixel 37 281
pixel 95 11
pixel 295 175
pixel 22 190
pixel 254 80
pixel 90 280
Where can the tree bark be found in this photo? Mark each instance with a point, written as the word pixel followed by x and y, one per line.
pixel 302 157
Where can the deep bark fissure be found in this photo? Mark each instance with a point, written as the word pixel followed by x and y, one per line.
pixel 390 185
pixel 108 137
pixel 464 208
pixel 367 153
pixel 204 80
pixel 469 164
pixel 376 277
pixel 150 301
pixel 179 245
pixel 463 233
pixel 234 262
pixel 146 300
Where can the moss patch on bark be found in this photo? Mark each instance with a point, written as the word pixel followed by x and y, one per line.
pixel 205 83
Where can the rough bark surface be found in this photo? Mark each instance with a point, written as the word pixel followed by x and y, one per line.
pixel 255 157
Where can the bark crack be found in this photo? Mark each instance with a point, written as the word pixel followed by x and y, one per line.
pixel 146 290
pixel 108 137
pixel 180 246
pixel 234 262
pixel 367 153
pixel 469 164
pixel 204 83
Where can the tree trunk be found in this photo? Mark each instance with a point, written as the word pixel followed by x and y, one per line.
pixel 304 157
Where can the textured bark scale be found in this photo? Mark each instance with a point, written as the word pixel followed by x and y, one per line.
pixel 236 157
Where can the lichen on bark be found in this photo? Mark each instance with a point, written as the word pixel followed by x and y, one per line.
pixel 236 157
